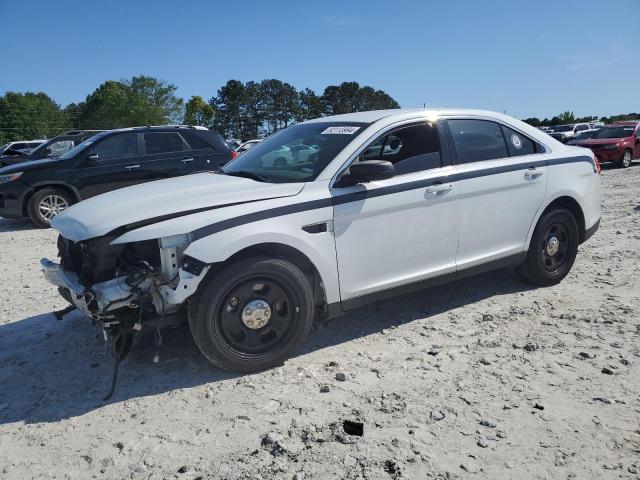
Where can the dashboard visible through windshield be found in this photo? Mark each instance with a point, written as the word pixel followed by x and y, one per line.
pixel 295 154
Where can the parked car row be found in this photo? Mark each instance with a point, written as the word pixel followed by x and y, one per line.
pixel 81 164
pixel 616 143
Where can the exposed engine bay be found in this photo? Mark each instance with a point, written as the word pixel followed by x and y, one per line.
pixel 125 286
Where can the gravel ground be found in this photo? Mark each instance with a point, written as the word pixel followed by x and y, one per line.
pixel 484 378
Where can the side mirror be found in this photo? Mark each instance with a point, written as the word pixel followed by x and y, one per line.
pixel 368 171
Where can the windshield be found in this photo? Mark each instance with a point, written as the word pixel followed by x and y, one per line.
pixel 295 154
pixel 563 128
pixel 615 132
pixel 81 146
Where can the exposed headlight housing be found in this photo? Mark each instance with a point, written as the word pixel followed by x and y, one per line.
pixel 611 147
pixel 11 177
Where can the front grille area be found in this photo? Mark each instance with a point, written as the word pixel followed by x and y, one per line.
pixel 95 261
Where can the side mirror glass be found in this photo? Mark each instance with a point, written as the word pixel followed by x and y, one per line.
pixel 368 171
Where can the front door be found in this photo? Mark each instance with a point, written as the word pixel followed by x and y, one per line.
pixel 113 163
pixel 503 180
pixel 398 231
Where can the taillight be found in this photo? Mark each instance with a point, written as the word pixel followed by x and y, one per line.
pixel 597 163
pixel 234 154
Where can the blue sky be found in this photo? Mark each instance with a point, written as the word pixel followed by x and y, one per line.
pixel 530 58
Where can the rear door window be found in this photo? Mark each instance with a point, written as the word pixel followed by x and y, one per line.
pixel 517 143
pixel 477 140
pixel 117 146
pixel 162 142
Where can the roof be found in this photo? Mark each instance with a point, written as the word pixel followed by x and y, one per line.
pixel 405 113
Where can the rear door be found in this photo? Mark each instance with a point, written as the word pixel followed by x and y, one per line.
pixel 166 155
pixel 503 180
pixel 202 155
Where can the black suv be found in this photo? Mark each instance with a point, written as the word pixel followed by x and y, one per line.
pixel 53 148
pixel 107 161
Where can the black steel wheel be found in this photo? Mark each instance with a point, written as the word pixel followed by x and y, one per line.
pixel 553 248
pixel 252 314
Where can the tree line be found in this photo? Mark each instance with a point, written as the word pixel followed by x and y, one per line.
pixel 240 110
pixel 568 117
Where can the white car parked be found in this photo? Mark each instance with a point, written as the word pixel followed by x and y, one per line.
pixel 389 202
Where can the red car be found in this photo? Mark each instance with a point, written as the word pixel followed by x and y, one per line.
pixel 618 142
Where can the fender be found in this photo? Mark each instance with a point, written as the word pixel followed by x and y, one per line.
pixel 54 183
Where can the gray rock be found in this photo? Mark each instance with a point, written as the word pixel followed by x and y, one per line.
pixel 272 438
pixel 325 389
pixel 434 350
pixel 488 423
pixel 483 442
pixel 484 361
pixel 437 415
pixel 341 377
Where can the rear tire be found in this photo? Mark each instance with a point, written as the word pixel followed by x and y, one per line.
pixel 625 161
pixel 45 204
pixel 553 248
pixel 252 314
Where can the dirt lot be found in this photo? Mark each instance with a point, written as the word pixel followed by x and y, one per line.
pixel 485 378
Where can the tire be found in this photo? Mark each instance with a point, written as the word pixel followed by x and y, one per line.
pixel 52 198
pixel 626 159
pixel 543 267
pixel 233 338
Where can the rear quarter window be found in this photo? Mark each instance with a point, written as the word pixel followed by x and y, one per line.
pixel 518 144
pixel 195 142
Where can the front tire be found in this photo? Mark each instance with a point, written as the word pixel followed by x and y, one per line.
pixel 627 157
pixel 553 248
pixel 252 314
pixel 45 204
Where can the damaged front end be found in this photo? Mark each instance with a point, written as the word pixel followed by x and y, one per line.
pixel 122 287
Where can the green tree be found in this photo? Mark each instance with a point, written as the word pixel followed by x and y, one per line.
pixel 199 112
pixel 310 106
pixel 25 116
pixel 139 101
pixel 350 97
pixel 229 103
pixel 533 121
pixel 566 117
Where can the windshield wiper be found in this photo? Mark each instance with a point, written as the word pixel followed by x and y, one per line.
pixel 247 174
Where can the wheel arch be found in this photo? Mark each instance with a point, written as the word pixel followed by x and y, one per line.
pixel 59 185
pixel 571 204
pixel 291 254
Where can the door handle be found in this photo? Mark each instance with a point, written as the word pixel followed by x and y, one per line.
pixel 187 160
pixel 440 187
pixel 132 167
pixel 533 173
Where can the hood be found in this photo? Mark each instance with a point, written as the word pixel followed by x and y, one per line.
pixel 24 164
pixel 163 199
pixel 601 141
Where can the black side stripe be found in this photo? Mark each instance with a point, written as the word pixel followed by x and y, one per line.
pixel 340 199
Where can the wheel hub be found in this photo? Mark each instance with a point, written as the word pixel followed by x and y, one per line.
pixel 256 314
pixel 553 245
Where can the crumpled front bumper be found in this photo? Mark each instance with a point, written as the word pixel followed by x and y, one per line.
pixel 95 301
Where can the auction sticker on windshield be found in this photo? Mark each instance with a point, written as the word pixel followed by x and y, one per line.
pixel 340 131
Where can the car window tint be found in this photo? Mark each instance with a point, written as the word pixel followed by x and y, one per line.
pixel 477 140
pixel 410 149
pixel 517 143
pixel 160 142
pixel 580 128
pixel 195 142
pixel 117 146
